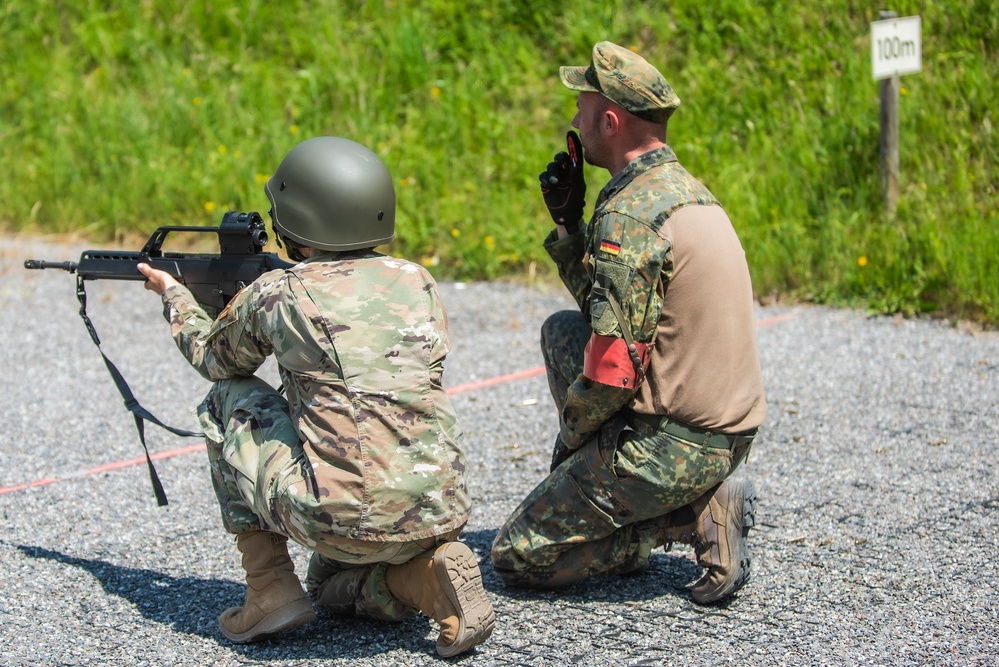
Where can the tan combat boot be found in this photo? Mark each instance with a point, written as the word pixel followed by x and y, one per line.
pixel 724 516
pixel 446 585
pixel 275 600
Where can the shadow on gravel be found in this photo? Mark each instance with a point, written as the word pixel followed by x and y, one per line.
pixel 191 605
pixel 179 602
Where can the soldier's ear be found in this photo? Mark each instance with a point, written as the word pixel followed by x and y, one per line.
pixel 610 122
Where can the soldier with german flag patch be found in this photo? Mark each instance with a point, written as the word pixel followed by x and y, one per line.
pixel 656 377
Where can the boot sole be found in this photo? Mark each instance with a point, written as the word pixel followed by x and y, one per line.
pixel 292 615
pixel 748 521
pixel 458 572
pixel 742 496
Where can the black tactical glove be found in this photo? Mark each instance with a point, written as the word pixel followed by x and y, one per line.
pixel 563 185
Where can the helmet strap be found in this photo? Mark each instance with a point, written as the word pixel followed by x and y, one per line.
pixel 294 249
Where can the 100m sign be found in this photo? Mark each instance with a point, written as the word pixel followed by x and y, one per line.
pixel 896 47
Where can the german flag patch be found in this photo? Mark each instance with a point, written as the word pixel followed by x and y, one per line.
pixel 610 247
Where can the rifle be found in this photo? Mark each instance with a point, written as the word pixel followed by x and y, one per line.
pixel 214 279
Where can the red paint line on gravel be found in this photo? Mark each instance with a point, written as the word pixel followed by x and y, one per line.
pixel 776 319
pixel 105 468
pixel 459 389
pixel 489 382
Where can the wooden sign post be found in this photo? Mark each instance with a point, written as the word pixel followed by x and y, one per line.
pixel 896 49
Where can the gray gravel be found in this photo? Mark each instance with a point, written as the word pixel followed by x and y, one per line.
pixel 879 505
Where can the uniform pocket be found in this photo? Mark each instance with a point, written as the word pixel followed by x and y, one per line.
pixel 669 470
pixel 611 281
pixel 241 450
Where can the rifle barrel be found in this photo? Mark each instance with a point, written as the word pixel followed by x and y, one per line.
pixel 42 264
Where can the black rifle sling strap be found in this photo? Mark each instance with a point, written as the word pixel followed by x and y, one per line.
pixel 138 412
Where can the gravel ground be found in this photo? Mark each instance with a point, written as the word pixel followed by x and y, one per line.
pixel 878 511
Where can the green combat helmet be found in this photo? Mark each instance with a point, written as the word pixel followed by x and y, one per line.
pixel 333 194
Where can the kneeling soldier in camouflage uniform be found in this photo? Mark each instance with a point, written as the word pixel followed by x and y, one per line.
pixel 360 463
pixel 657 378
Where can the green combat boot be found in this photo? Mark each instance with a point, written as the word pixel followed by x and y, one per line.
pixel 275 600
pixel 446 585
pixel 724 516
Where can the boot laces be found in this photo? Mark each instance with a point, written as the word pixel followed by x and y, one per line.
pixel 683 537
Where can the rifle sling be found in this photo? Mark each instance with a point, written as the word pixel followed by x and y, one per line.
pixel 636 361
pixel 133 406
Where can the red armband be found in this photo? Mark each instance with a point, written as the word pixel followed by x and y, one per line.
pixel 606 360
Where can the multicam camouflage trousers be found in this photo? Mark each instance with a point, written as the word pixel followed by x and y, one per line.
pixel 255 457
pixel 596 512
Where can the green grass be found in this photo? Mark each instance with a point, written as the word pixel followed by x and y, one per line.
pixel 119 117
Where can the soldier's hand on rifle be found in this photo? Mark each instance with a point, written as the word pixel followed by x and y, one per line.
pixel 563 185
pixel 156 280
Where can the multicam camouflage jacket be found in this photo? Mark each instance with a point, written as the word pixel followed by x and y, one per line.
pixel 360 340
pixel 618 267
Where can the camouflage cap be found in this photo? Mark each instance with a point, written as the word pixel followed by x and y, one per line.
pixel 625 78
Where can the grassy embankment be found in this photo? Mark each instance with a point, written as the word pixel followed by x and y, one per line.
pixel 115 121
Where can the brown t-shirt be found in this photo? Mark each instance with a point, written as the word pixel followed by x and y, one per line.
pixel 705 367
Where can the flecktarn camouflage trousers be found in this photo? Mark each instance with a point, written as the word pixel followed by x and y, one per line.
pixel 596 513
